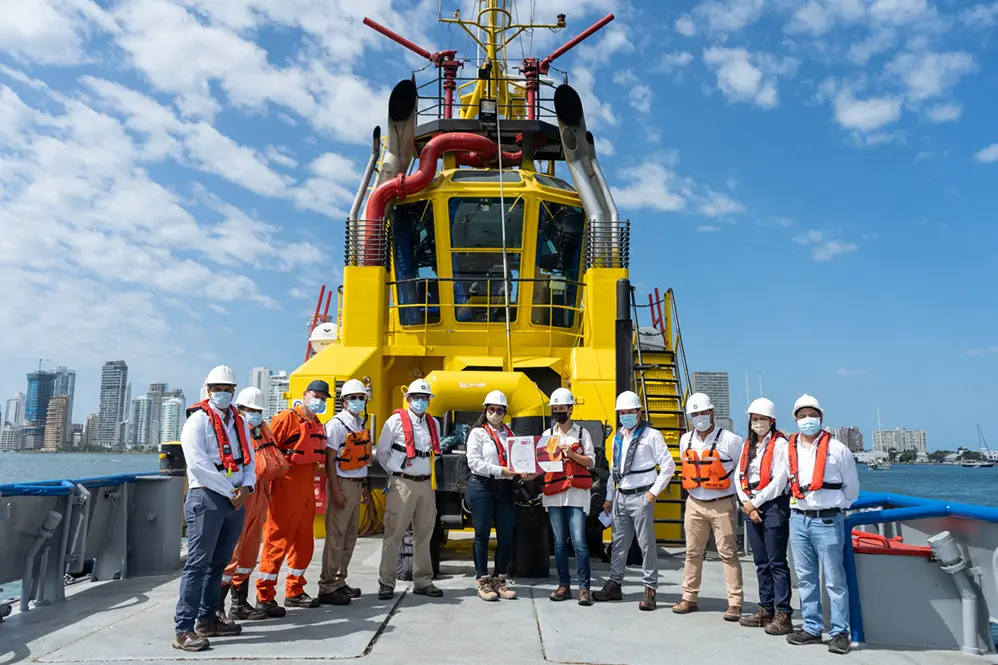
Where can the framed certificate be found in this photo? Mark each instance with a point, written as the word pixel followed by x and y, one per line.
pixel 522 454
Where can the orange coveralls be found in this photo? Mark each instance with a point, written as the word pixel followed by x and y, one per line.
pixel 291 513
pixel 270 464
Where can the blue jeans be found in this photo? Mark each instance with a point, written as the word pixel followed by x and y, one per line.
pixel 563 520
pixel 769 550
pixel 213 528
pixel 820 540
pixel 491 498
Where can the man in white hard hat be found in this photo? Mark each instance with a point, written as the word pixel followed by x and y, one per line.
pixel 641 468
pixel 709 456
pixel 408 441
pixel 348 455
pixel 823 483
pixel 220 475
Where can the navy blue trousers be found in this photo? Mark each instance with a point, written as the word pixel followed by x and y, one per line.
pixel 769 549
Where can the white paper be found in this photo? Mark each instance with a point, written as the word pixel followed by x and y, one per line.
pixel 522 456
pixel 605 519
pixel 549 456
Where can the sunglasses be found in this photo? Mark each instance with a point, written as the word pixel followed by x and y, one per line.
pixel 495 409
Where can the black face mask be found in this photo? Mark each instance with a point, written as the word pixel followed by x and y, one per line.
pixel 561 417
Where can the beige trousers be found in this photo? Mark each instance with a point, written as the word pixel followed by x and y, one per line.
pixel 341 536
pixel 409 501
pixel 701 518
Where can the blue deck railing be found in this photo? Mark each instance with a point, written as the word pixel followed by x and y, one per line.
pixel 65 487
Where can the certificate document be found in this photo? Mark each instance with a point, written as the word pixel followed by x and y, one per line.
pixel 522 456
pixel 549 456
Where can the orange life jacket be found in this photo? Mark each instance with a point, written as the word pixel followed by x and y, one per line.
pixel 500 447
pixel 308 444
pixel 356 450
pixel 714 477
pixel 229 463
pixel 270 461
pixel 572 474
pixel 410 442
pixel 765 467
pixel 818 474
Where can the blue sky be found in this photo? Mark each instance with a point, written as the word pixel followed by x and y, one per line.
pixel 815 179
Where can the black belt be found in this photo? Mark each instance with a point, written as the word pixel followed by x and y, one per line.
pixel 635 490
pixel 717 498
pixel 418 479
pixel 828 512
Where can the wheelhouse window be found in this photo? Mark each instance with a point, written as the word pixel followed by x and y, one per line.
pixel 559 259
pixel 414 253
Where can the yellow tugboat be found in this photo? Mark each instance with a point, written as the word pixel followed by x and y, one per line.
pixel 490 256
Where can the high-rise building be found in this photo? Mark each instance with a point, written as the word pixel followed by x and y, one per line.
pixel 57 424
pixel 139 417
pixel 91 428
pixel 260 378
pixel 172 417
pixel 65 384
pixel 715 386
pixel 41 388
pixel 114 388
pixel 900 440
pixel 155 394
pixel 14 413
pixel 11 437
pixel 276 402
pixel 851 437
pixel 76 436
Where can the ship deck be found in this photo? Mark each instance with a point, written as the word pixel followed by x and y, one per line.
pixel 132 620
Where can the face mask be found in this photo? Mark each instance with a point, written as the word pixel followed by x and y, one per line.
pixel 418 406
pixel 561 417
pixel 628 420
pixel 761 427
pixel 316 405
pixel 221 400
pixel 355 406
pixel 254 419
pixel 494 419
pixel 702 423
pixel 809 426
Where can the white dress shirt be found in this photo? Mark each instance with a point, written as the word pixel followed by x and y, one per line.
pixel 394 461
pixel 573 496
pixel 777 476
pixel 336 436
pixel 650 450
pixel 200 446
pixel 729 447
pixel 483 456
pixel 840 467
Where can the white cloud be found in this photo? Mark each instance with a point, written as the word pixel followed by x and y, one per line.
pixel 708 229
pixel 990 350
pixel 675 61
pixel 980 16
pixel 863 115
pixel 749 77
pixel 685 26
pixel 717 204
pixel 604 147
pixel 945 113
pixel 723 17
pixel 880 41
pixel 598 113
pixel 816 17
pixel 641 98
pixel 655 185
pixel 928 75
pixel 988 155
pixel 51 32
pixel 823 249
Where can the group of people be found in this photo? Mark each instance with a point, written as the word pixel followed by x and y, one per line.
pixel 250 482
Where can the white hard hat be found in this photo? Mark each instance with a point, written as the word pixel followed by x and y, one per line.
pixel 698 402
pixel 251 398
pixel 354 387
pixel 806 400
pixel 562 397
pixel 763 407
pixel 628 400
pixel 419 387
pixel 323 335
pixel 495 398
pixel 221 375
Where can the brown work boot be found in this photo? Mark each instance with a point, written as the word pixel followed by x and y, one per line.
pixel 218 628
pixel 585 598
pixel 685 606
pixel 301 600
pixel 648 602
pixel 500 587
pixel 781 625
pixel 485 589
pixel 734 613
pixel 271 609
pixel 562 593
pixel 190 642
pixel 761 618
pixel 610 591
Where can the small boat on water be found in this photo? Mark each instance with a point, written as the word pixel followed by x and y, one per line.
pixel 881 465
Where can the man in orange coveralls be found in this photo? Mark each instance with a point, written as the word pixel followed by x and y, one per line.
pixel 288 530
pixel 270 464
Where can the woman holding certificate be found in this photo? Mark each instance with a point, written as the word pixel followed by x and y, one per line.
pixel 490 495
pixel 566 495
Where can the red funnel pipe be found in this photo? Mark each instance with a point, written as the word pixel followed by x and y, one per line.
pixel 474 160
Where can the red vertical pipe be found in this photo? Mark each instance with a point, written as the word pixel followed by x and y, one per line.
pixel 325 312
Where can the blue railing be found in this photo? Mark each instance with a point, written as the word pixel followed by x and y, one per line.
pixel 895 508
pixel 66 487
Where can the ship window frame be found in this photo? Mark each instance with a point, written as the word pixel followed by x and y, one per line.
pixel 546 310
pixel 416 295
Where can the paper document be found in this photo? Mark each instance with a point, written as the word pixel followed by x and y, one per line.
pixel 522 457
pixel 605 519
pixel 549 456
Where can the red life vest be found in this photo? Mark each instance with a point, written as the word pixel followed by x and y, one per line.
pixel 410 442
pixel 308 444
pixel 818 474
pixel 500 448
pixel 765 467
pixel 229 464
pixel 270 461
pixel 572 474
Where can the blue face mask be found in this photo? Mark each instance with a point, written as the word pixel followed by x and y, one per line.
pixel 221 400
pixel 701 423
pixel 355 406
pixel 316 405
pixel 628 420
pixel 419 405
pixel 809 426
pixel 254 419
